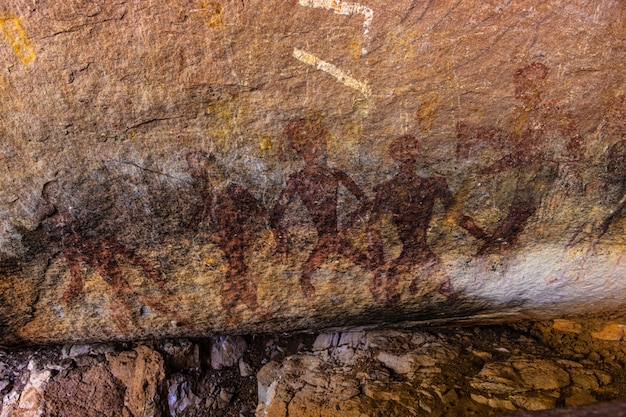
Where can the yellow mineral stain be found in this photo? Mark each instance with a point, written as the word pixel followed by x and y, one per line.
pixel 315 115
pixel 567 326
pixel 11 28
pixel 354 132
pixel 214 13
pixel 225 113
pixel 266 143
pixel 334 145
pixel 224 108
pixel 520 118
pixel 361 107
pixel 220 135
pixel 211 262
pixel 427 111
pixel 221 138
pixel 612 331
pixel 356 50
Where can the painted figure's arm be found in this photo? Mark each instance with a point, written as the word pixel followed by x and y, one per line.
pixel 352 186
pixel 276 215
pixel 453 209
pixel 202 211
pixel 443 192
pixel 75 287
pixel 614 213
pixel 595 229
pixel 566 125
pixel 155 274
pixel 249 201
pixel 508 161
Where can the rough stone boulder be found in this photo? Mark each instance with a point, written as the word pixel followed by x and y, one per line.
pixel 186 168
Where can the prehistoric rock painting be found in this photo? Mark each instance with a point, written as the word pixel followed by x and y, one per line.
pixel 228 206
pixel 616 176
pixel 410 200
pixel 541 146
pixel 99 253
pixel 317 185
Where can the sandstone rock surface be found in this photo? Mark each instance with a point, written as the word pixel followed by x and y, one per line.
pixel 187 168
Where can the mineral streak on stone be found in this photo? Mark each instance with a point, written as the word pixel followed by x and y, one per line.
pixel 174 169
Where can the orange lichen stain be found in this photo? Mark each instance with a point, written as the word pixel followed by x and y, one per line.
pixel 265 144
pixel 427 111
pixel 214 13
pixel 11 28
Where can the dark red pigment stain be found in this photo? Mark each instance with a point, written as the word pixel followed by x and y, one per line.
pixel 317 186
pixel 228 206
pixel 527 153
pixel 101 254
pixel 528 150
pixel 616 176
pixel 410 200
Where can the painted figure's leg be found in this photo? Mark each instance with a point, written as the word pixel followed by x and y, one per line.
pixel 397 268
pixel 119 307
pixel 233 288
pixel 355 255
pixel 318 255
pixel 153 273
pixel 75 287
pixel 429 266
pixel 376 285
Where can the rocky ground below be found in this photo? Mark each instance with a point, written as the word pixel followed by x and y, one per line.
pixel 467 371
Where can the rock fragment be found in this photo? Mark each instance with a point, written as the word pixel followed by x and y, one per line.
pixel 611 331
pixel 226 351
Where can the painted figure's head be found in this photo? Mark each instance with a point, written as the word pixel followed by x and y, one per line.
pixel 404 149
pixel 200 163
pixel 529 82
pixel 308 138
pixel 51 193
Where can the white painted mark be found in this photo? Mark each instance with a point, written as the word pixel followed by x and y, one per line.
pixel 331 69
pixel 346 8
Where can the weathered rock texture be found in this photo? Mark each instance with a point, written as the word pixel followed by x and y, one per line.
pixel 187 167
pixel 473 371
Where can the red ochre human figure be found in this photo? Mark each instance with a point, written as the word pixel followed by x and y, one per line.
pixel 610 185
pixel 409 199
pixel 539 133
pixel 228 206
pixel 101 254
pixel 317 185
pixel 615 176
